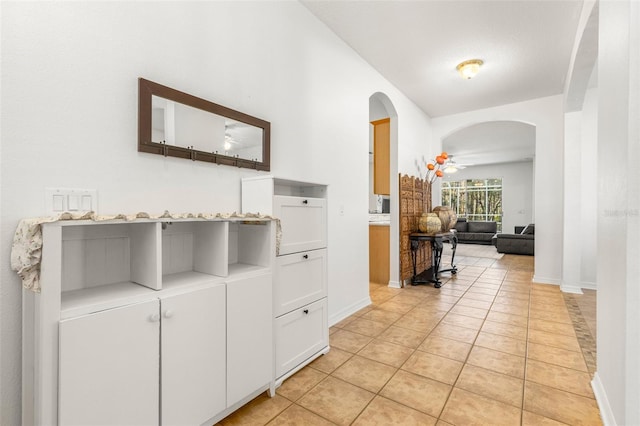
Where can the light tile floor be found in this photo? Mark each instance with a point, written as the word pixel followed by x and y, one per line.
pixel 488 348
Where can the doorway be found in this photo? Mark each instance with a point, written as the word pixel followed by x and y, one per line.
pixel 383 195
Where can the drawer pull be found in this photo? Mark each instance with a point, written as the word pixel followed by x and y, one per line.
pixel 306 311
pixel 306 256
pixel 305 202
pixel 154 317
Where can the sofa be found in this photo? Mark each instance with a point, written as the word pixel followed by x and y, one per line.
pixel 475 232
pixel 522 241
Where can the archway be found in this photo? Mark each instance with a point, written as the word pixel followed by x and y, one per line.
pixel 380 107
pixel 546 116
pixel 502 150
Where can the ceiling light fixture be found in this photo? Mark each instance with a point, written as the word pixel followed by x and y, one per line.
pixel 470 68
pixel 450 169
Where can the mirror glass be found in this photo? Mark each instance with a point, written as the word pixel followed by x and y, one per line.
pixel 173 123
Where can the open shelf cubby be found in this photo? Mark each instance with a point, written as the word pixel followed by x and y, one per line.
pixel 102 262
pixel 194 252
pixel 249 247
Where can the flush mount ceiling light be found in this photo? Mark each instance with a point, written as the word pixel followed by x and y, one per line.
pixel 470 68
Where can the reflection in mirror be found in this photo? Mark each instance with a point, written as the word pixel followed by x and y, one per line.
pixel 176 124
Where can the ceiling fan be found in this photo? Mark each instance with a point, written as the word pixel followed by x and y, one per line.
pixel 450 166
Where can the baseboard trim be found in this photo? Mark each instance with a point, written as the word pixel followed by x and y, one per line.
pixel 571 288
pixel 606 413
pixel 577 288
pixel 543 280
pixel 349 310
pixel 395 284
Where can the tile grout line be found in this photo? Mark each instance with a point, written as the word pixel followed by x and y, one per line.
pixel 414 350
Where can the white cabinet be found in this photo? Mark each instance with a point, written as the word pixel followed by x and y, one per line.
pixel 109 364
pixel 300 276
pixel 193 355
pixel 149 322
pixel 249 337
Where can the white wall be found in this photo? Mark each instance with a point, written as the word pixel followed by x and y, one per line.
pixel 572 254
pixel 617 381
pixel 580 200
pixel 588 184
pixel 517 190
pixel 580 157
pixel 69 119
pixel 547 115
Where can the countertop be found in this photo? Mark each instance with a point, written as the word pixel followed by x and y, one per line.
pixel 379 219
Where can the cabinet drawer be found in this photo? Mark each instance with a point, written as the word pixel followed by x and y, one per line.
pixel 303 221
pixel 300 334
pixel 300 279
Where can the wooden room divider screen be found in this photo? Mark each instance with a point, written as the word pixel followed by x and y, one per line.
pixel 415 199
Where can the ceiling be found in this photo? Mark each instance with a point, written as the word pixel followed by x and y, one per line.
pixel 526 47
pixel 485 143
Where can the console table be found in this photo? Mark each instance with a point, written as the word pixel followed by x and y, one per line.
pixel 437 241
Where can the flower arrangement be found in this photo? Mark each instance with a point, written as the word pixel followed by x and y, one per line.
pixel 434 166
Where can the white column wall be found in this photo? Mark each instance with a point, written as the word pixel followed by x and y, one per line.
pixel 69 120
pixel 617 381
pixel 580 199
pixel 588 235
pixel 572 252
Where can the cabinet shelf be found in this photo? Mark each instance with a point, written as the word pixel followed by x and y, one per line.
pixel 107 264
pixel 236 269
pixel 188 279
pixel 94 299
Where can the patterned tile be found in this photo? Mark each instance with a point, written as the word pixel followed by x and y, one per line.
pixel 583 331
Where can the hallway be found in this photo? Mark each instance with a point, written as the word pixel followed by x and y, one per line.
pixel 488 348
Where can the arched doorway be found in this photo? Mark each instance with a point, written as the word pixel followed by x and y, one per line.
pixel 497 151
pixel 381 107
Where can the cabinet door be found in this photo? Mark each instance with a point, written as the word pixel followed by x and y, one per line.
pixel 379 254
pixel 108 367
pixel 299 279
pixel 299 335
pixel 303 221
pixel 381 157
pixel 193 356
pixel 249 336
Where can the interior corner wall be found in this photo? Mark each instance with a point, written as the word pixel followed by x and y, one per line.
pixel 588 236
pixel 572 221
pixel 517 190
pixel 69 120
pixel 546 114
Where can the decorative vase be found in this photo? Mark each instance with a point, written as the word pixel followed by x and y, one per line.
pixel 447 216
pixel 429 223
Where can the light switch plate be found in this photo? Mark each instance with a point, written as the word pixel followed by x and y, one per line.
pixel 73 200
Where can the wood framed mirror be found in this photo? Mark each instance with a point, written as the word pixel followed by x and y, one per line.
pixel 176 124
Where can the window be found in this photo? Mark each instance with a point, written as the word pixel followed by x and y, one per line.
pixel 475 199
